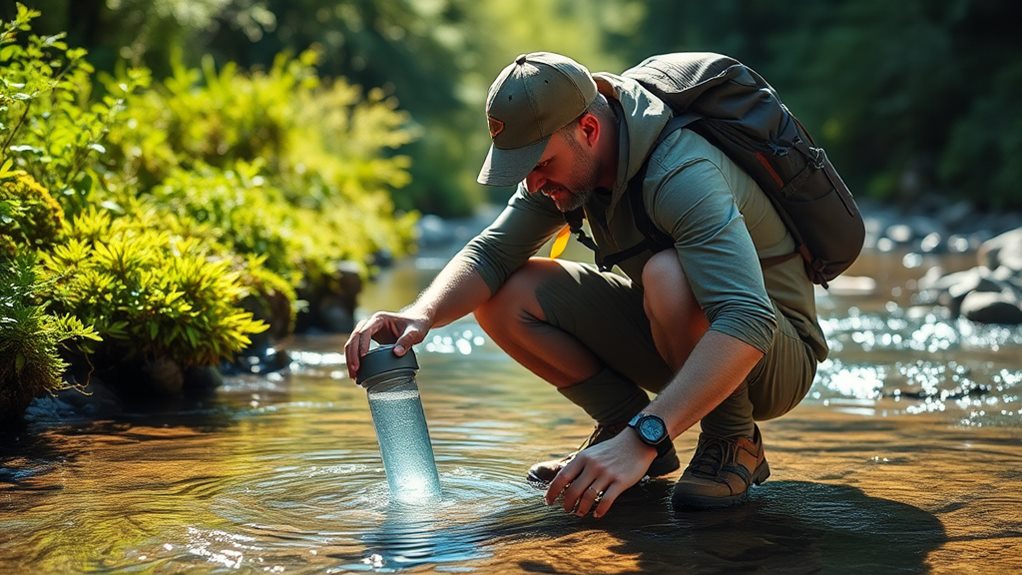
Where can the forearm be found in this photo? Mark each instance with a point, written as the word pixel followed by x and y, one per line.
pixel 717 366
pixel 455 292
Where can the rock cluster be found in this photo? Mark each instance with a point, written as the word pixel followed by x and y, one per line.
pixel 990 292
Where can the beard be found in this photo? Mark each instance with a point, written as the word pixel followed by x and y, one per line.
pixel 576 199
pixel 580 184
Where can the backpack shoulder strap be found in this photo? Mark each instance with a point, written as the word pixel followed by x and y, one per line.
pixel 654 239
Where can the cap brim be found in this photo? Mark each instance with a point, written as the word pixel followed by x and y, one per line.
pixel 508 167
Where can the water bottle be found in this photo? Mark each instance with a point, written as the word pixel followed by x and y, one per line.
pixel 400 424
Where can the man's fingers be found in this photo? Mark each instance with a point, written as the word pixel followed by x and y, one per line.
pixel 368 331
pixel 610 494
pixel 590 498
pixel 358 343
pixel 410 337
pixel 350 351
pixel 561 481
pixel 572 496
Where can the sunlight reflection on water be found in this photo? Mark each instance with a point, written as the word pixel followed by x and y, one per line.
pixel 912 429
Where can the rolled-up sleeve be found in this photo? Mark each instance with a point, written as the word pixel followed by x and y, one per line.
pixel 695 205
pixel 519 231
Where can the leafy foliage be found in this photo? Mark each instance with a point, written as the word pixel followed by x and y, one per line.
pixel 908 97
pixel 29 216
pixel 31 339
pixel 148 293
pixel 276 163
pixel 48 126
pixel 197 203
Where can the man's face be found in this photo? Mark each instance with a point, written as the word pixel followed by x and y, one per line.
pixel 566 172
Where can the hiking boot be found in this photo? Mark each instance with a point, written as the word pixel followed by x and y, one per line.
pixel 721 472
pixel 544 472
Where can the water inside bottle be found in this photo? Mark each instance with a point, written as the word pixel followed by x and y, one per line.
pixel 406 449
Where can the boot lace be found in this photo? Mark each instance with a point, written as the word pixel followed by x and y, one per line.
pixel 713 454
pixel 602 433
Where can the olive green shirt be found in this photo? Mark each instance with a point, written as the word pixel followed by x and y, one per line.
pixel 720 219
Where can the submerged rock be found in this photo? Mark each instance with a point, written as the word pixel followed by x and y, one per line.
pixel 1004 250
pixel 992 307
pixel 988 293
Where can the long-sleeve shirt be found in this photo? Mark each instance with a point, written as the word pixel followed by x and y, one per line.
pixel 721 222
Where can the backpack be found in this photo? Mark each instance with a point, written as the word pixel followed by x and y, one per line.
pixel 736 110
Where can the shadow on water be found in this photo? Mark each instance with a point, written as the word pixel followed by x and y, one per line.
pixel 787 526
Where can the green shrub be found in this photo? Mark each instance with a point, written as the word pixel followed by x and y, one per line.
pixel 148 293
pixel 270 297
pixel 237 208
pixel 196 205
pixel 29 216
pixel 285 165
pixel 31 340
pixel 49 125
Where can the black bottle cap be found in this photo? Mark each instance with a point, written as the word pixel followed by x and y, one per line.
pixel 382 360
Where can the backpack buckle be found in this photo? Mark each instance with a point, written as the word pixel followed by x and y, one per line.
pixel 815 157
pixel 818 157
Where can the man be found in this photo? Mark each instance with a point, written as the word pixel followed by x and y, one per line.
pixel 719 338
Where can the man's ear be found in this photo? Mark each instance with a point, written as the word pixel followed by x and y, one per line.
pixel 590 126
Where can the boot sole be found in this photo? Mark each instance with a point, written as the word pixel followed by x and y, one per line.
pixel 705 502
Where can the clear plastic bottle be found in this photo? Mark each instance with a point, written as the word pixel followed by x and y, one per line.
pixel 400 424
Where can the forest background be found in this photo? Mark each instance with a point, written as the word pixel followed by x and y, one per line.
pixel 913 100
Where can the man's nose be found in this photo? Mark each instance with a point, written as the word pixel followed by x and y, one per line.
pixel 534 182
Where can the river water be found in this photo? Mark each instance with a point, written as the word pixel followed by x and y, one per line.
pixel 906 457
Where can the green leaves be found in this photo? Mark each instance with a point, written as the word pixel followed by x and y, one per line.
pixel 33 219
pixel 147 292
pixel 32 338
pixel 166 217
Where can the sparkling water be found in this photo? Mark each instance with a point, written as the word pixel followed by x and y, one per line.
pixel 405 446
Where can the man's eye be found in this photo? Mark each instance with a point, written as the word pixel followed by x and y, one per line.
pixel 543 164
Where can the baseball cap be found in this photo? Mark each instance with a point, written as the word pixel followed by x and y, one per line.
pixel 533 97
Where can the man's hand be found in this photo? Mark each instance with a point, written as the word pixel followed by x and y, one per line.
pixel 594 479
pixel 403 329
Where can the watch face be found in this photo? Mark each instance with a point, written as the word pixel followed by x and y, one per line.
pixel 652 428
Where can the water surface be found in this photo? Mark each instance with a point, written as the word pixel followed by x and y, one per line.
pixel 906 458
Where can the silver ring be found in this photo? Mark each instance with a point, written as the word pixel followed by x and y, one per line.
pixel 599 494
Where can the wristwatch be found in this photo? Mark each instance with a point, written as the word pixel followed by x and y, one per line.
pixel 652 431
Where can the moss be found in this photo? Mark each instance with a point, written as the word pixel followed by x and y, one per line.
pixel 31 218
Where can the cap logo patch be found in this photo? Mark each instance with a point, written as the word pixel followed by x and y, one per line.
pixel 496 126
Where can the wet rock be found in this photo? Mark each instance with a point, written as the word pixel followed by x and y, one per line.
pixel 990 292
pixel 1003 250
pixel 95 400
pixel 202 378
pixel 932 279
pixel 976 280
pixel 992 307
pixel 335 316
pixel 331 306
pixel 265 361
pixel 161 377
